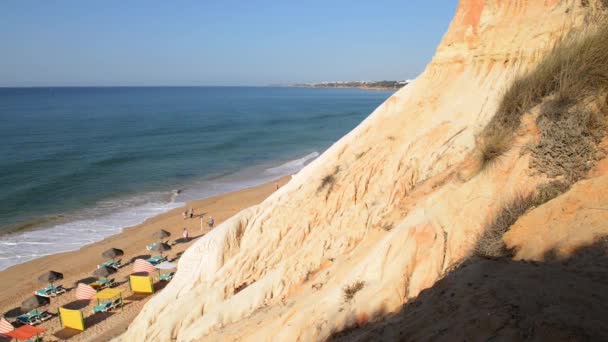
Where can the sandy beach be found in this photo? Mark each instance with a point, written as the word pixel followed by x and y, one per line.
pixel 19 281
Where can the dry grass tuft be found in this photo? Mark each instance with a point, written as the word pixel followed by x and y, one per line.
pixel 329 180
pixel 490 244
pixel 568 144
pixel 351 290
pixel 388 226
pixel 492 147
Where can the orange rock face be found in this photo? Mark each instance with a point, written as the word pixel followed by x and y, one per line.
pixel 561 226
pixel 394 214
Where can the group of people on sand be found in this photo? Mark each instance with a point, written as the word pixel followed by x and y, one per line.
pixel 188 214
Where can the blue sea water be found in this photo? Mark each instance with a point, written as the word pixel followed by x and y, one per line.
pixel 80 164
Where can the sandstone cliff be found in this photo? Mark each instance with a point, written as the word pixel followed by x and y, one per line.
pixel 386 212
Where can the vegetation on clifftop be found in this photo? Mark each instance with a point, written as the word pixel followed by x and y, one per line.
pixel 572 77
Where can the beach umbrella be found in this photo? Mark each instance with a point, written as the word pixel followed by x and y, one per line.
pixel 5 326
pixel 34 302
pixel 84 291
pixel 104 271
pixel 141 265
pixel 165 265
pixel 112 253
pixel 50 277
pixel 161 247
pixel 161 234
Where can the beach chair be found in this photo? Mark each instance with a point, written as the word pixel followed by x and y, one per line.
pixel 166 276
pixel 34 317
pixel 157 259
pixel 50 291
pixel 101 284
pixel 103 307
pixel 108 304
pixel 111 263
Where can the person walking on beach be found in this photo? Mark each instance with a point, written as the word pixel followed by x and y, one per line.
pixel 191 213
pixel 185 214
pixel 185 235
pixel 276 185
pixel 211 222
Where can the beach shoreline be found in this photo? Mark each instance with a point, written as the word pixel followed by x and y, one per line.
pixel 19 281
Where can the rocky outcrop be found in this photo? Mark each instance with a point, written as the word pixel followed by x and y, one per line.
pixel 380 216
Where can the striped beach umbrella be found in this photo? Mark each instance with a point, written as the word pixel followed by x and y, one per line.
pixel 141 265
pixel 84 291
pixel 5 326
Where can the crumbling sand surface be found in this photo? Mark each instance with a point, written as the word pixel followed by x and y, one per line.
pixel 395 205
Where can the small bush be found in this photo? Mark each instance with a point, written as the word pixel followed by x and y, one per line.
pixel 490 244
pixel 492 147
pixel 568 144
pixel 351 290
pixel 574 70
pixel 329 180
pixel 388 226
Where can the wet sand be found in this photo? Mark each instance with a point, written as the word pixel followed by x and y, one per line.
pixel 20 281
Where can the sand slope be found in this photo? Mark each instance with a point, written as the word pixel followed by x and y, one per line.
pixel 392 207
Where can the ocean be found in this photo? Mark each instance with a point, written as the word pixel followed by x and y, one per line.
pixel 80 164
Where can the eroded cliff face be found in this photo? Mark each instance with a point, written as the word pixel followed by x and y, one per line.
pixel 393 205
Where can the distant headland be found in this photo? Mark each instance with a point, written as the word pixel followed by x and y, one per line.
pixel 371 85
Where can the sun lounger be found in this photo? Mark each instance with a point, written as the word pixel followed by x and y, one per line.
pixel 34 317
pixel 111 263
pixel 166 276
pixel 50 291
pixel 107 305
pixel 157 259
pixel 101 284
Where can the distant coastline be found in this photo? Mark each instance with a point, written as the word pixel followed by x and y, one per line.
pixel 365 85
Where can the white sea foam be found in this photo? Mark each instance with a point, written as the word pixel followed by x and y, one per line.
pixel 292 165
pixel 110 217
pixel 26 245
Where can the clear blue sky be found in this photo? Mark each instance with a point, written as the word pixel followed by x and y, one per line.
pixel 249 42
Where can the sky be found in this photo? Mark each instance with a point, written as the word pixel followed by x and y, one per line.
pixel 188 43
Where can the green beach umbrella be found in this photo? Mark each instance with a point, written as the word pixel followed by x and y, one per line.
pixel 161 247
pixel 104 271
pixel 34 302
pixel 50 277
pixel 112 253
pixel 161 234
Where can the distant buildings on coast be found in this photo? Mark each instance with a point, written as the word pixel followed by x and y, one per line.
pixel 354 84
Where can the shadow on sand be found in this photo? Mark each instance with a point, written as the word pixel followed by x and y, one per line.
pixel 142 256
pixel 86 280
pixel 503 299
